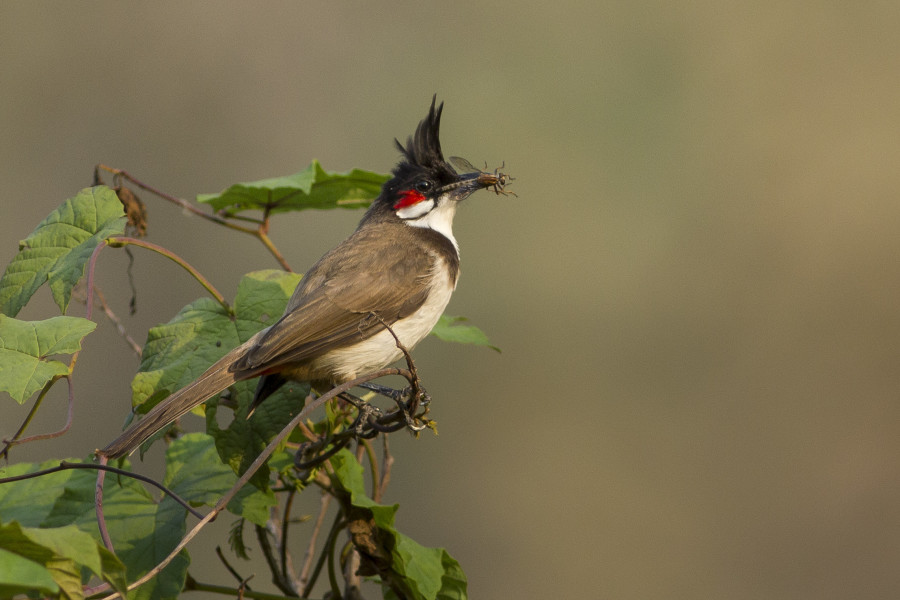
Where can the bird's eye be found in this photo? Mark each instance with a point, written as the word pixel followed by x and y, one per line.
pixel 423 186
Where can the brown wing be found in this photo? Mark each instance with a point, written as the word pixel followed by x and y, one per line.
pixel 333 305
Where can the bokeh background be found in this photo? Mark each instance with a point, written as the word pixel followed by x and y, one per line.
pixel 695 291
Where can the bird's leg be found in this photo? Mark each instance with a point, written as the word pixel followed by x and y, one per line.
pixel 405 407
pixel 307 455
pixel 367 413
pixel 387 392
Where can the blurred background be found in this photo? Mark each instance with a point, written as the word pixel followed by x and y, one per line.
pixel 695 290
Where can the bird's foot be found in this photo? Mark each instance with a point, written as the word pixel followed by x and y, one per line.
pixel 366 422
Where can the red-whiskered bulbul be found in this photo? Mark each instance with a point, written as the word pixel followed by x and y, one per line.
pixel 398 268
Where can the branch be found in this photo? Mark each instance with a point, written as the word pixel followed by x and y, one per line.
pixel 311 548
pixel 194 585
pixel 261 232
pixel 281 582
pixel 66 466
pixel 387 460
pixel 231 569
pixel 119 241
pixel 286 566
pixel 184 204
pixel 135 347
pixel 16 440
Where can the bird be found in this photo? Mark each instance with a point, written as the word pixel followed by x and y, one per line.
pixel 394 275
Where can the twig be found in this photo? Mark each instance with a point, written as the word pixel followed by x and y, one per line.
pixel 261 232
pixel 16 440
pixel 184 204
pixel 311 548
pixel 351 574
pixel 326 552
pixel 66 466
pixel 98 507
pixel 387 461
pixel 264 238
pixel 135 347
pixel 197 586
pixel 285 520
pixel 373 463
pixel 119 241
pixel 241 580
pixel 282 583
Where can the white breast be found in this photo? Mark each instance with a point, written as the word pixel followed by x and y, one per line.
pixel 381 349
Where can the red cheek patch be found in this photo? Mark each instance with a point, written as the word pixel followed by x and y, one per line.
pixel 408 198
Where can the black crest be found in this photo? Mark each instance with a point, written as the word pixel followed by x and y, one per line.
pixel 424 149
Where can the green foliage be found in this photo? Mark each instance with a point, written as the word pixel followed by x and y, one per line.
pixel 60 247
pixel 49 536
pixel 416 572
pixel 200 335
pixel 25 348
pixel 311 188
pixel 143 527
pixel 449 329
pixel 62 552
pixel 203 332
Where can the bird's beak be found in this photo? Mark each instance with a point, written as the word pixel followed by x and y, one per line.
pixel 469 183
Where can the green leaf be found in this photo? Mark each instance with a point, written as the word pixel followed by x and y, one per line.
pixel 114 571
pixel 67 575
pixel 449 329
pixel 68 542
pixel 178 352
pixel 435 573
pixel 63 552
pixel 143 530
pixel 311 188
pixel 244 439
pixel 31 501
pixel 25 348
pixel 195 472
pixel 20 575
pixel 349 475
pixel 203 332
pixel 60 247
pixel 416 572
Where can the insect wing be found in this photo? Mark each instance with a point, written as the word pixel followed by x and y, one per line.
pixel 462 165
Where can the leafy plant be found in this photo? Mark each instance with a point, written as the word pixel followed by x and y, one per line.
pixel 57 539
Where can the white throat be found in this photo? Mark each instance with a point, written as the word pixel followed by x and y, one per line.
pixel 439 218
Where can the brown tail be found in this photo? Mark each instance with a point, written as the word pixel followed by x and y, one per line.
pixel 214 380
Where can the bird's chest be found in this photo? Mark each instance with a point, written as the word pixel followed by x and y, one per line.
pixel 381 349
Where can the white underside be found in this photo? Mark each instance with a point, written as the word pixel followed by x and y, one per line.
pixel 381 349
pixel 439 218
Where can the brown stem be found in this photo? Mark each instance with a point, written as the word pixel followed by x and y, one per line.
pixel 135 347
pixel 282 583
pixel 241 580
pixel 260 232
pixel 286 571
pixel 118 242
pixel 387 461
pixel 184 204
pixel 197 586
pixel 264 238
pixel 15 440
pixel 311 548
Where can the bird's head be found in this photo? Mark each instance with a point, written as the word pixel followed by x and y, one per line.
pixel 425 189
